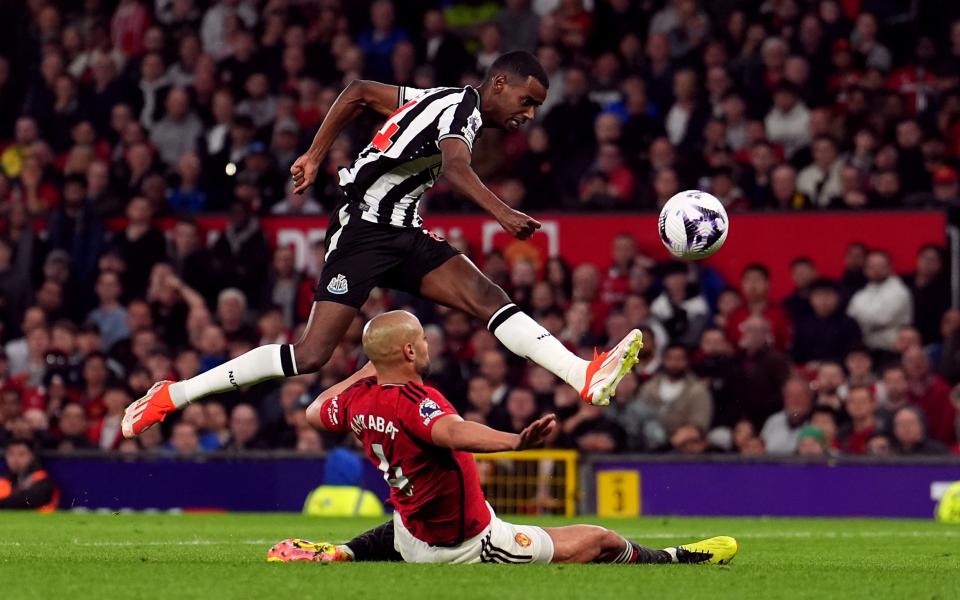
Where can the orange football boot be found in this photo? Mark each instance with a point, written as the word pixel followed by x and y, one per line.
pixel 606 370
pixel 146 412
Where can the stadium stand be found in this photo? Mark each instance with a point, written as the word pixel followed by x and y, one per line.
pixel 144 156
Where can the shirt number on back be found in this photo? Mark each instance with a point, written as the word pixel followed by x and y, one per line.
pixel 384 137
pixel 398 480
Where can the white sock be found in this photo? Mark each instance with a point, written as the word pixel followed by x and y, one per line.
pixel 526 338
pixel 260 364
pixel 672 552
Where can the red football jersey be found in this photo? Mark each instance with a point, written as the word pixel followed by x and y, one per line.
pixel 435 490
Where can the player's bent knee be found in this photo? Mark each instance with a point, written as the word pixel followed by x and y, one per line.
pixel 582 543
pixel 611 540
pixel 597 535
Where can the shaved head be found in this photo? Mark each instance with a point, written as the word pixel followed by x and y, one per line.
pixel 395 343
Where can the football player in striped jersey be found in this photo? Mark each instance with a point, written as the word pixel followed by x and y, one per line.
pixel 375 237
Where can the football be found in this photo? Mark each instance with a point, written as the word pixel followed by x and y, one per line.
pixel 693 225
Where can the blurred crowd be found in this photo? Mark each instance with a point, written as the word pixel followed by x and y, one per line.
pixel 775 104
pixel 867 364
pixel 140 110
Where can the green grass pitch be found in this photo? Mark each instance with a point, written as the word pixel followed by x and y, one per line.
pixel 222 556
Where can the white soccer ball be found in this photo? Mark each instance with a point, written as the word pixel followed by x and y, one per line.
pixel 693 225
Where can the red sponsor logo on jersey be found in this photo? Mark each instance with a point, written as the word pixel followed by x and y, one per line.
pixel 522 539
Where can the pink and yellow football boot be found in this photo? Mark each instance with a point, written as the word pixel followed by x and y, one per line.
pixel 297 550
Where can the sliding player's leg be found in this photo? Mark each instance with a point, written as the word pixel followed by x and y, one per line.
pixel 459 284
pixel 589 543
pixel 374 545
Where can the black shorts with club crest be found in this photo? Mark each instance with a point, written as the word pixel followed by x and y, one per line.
pixel 362 255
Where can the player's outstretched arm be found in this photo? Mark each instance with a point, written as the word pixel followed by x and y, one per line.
pixel 313 411
pixel 450 431
pixel 464 180
pixel 357 96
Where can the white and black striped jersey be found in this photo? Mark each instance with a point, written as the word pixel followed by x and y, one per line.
pixel 385 182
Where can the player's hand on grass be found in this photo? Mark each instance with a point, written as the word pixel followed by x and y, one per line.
pixel 536 433
pixel 517 224
pixel 304 172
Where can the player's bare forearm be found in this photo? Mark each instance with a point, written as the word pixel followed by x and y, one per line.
pixel 453 432
pixel 353 100
pixel 463 179
pixel 313 411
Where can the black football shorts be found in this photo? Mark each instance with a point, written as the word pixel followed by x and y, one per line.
pixel 362 255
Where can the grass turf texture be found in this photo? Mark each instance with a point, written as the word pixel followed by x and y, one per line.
pixel 222 556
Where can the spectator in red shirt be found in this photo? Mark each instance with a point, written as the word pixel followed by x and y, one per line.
pixel 586 288
pixel 616 285
pixel 95 375
pixel 128 26
pixel 724 187
pixel 916 82
pixel 573 20
pixel 621 182
pixel 932 394
pixel 861 406
pixel 755 289
pixel 845 72
pixel 105 432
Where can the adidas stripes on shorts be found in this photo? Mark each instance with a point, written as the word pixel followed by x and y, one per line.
pixel 499 542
